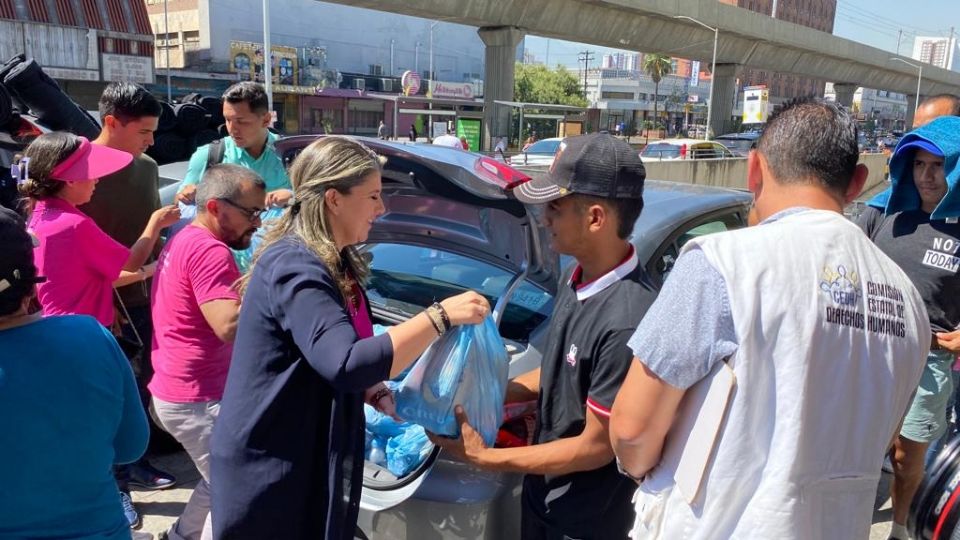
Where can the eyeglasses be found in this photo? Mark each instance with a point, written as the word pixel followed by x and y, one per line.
pixel 253 214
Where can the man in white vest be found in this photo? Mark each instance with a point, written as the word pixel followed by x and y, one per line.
pixel 811 338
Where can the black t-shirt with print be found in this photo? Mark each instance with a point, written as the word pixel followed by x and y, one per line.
pixel 584 363
pixel 927 252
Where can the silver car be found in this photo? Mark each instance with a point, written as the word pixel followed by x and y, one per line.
pixel 451 224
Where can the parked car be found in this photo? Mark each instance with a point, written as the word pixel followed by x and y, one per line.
pixel 676 149
pixel 452 224
pixel 739 143
pixel 540 153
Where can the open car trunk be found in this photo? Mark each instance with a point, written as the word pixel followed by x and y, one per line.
pixel 450 225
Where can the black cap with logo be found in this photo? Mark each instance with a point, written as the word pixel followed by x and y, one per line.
pixel 598 164
pixel 17 271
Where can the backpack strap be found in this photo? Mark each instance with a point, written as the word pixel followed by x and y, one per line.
pixel 216 152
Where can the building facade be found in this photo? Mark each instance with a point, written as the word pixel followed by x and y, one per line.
pixel 83 44
pixel 939 51
pixel 318 49
pixel 619 97
pixel 876 110
pixel 817 14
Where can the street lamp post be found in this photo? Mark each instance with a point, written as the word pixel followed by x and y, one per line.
pixel 713 70
pixel 267 57
pixel 919 67
pixel 166 47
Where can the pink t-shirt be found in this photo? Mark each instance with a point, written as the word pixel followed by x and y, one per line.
pixel 189 361
pixel 79 260
pixel 359 317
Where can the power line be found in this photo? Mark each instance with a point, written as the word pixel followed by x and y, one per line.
pixel 585 57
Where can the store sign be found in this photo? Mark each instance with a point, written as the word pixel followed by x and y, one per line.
pixel 72 74
pixel 246 58
pixel 123 67
pixel 410 81
pixel 755 100
pixel 469 128
pixel 440 89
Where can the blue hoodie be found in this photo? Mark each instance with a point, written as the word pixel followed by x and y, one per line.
pixel 902 194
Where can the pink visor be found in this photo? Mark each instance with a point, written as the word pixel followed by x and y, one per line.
pixel 90 162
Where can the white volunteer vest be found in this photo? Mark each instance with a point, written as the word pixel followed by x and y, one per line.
pixel 833 336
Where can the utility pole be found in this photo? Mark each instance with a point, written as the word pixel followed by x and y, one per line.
pixel 899 37
pixel 585 57
pixel 773 12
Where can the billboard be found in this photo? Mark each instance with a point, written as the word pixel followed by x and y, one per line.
pixel 469 128
pixel 755 104
pixel 246 58
pixel 695 73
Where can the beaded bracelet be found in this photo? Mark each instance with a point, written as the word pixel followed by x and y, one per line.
pixel 443 315
pixel 435 319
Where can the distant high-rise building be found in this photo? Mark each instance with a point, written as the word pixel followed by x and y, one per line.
pixel 817 14
pixel 939 51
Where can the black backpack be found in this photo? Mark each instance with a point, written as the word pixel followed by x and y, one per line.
pixel 215 154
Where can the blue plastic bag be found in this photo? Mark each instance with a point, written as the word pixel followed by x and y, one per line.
pixel 467 366
pixel 407 450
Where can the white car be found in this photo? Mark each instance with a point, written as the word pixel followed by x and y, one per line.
pixel 676 149
pixel 538 154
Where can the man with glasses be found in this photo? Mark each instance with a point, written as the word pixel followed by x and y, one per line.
pixel 195 310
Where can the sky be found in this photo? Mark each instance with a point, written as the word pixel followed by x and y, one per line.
pixel 871 22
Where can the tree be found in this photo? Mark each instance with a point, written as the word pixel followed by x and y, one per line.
pixel 536 83
pixel 657 66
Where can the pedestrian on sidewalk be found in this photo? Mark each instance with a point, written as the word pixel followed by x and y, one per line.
pixel 809 338
pixel 195 310
pixel 911 222
pixel 287 453
pixel 593 196
pixel 121 206
pixel 70 411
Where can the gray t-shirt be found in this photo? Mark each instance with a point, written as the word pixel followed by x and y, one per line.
pixel 927 252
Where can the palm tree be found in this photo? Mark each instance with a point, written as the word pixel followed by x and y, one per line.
pixel 657 66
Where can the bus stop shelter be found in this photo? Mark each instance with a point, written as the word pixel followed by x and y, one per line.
pixel 570 118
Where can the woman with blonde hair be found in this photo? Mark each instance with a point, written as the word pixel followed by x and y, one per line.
pixel 287 450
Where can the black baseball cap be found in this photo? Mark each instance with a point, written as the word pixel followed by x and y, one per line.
pixel 598 164
pixel 17 270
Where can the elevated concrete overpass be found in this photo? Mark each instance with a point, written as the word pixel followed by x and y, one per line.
pixel 746 39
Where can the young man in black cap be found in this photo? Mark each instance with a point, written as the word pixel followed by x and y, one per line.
pixel 593 195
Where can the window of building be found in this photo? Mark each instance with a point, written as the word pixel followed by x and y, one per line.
pixel 191 40
pixel 616 95
pixel 326 119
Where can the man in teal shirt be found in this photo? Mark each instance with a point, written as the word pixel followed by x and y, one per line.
pixel 250 144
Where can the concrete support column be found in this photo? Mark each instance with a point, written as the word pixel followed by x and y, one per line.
pixel 499 59
pixel 724 92
pixel 844 93
pixel 911 103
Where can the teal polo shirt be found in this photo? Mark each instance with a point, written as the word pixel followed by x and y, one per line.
pixel 269 165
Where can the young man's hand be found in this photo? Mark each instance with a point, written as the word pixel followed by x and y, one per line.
pixel 469 447
pixel 187 195
pixel 949 340
pixel 278 198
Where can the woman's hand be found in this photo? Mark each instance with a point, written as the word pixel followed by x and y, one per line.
pixel 467 308
pixel 166 216
pixel 381 398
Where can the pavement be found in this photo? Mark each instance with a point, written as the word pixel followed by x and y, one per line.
pixel 161 508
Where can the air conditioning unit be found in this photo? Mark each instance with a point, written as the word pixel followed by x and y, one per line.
pixel 387 85
pixel 359 84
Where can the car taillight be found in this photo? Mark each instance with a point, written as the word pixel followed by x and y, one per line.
pixel 498 173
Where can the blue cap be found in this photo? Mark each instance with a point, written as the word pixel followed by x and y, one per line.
pixel 922 145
